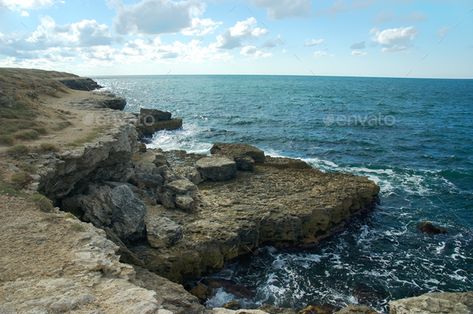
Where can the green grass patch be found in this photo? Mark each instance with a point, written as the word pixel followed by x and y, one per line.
pixel 27 135
pixel 21 180
pixel 47 147
pixel 6 140
pixel 42 202
pixel 8 189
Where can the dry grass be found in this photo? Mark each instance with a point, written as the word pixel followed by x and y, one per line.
pixel 18 150
pixel 21 180
pixel 20 106
pixel 89 137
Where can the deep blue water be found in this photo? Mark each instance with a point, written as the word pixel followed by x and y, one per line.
pixel 414 137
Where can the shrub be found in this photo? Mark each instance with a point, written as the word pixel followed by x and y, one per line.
pixel 27 135
pixel 21 179
pixel 41 130
pixel 6 139
pixel 18 150
pixel 48 147
pixel 42 202
pixel 77 227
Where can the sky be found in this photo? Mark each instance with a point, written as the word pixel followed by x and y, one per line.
pixel 390 38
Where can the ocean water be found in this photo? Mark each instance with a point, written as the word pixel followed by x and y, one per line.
pixel 414 137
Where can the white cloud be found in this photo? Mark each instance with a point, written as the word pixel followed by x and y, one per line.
pixel 252 51
pixel 358 53
pixel 394 39
pixel 314 42
pixel 84 33
pixel 279 9
pixel 240 32
pixel 201 27
pixel 24 13
pixel 18 5
pixel 156 16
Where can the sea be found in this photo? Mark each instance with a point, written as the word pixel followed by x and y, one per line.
pixel 413 137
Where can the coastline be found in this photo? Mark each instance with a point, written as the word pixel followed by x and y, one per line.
pixel 111 157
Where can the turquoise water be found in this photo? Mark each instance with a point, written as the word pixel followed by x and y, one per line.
pixel 414 137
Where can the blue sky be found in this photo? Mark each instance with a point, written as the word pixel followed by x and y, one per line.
pixel 398 38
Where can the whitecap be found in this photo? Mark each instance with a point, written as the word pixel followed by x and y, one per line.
pixel 183 139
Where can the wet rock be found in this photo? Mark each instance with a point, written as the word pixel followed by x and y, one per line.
pixel 238 151
pixel 232 305
pixel 429 228
pixel 162 231
pixel 201 291
pixel 276 310
pixel 153 120
pixel 142 147
pixel 216 168
pixel 317 309
pixel 433 303
pixel 356 309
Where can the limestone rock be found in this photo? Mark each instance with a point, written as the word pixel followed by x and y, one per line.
pixel 245 163
pixel 216 168
pixel 433 303
pixel 117 208
pixel 162 231
pixel 238 150
pixel 189 172
pixel 180 193
pixel 182 186
pixel 114 102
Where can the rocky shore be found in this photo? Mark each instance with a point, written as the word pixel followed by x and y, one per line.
pixel 171 217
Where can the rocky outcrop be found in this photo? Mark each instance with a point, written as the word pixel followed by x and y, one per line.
pixel 116 208
pixel 80 83
pixel 282 203
pixel 162 231
pixel 433 303
pixel 216 168
pixel 244 155
pixel 107 158
pixel 153 120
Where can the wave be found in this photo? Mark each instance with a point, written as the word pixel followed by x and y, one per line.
pixel 184 139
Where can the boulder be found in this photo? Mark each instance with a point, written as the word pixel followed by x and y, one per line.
pixel 116 208
pixel 113 102
pixel 317 309
pixel 191 173
pixel 245 163
pixel 216 168
pixel 180 193
pixel 238 150
pixel 160 160
pixel 181 186
pixel 429 228
pixel 432 303
pixel 153 115
pixel 148 129
pixel 162 232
